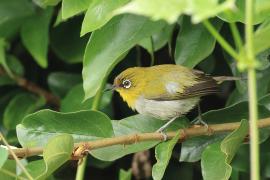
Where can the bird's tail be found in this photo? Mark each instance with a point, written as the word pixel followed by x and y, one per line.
pixel 221 79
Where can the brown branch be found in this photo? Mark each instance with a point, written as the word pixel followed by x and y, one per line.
pixel 34 88
pixel 81 148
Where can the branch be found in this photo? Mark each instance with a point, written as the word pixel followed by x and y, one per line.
pixel 81 148
pixel 34 88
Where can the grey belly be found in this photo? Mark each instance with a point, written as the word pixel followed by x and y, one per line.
pixel 165 109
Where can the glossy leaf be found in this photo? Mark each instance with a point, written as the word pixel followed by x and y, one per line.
pixel 71 7
pixel 10 21
pixel 35 36
pixel 218 156
pixel 170 10
pixel 163 153
pixel 60 82
pixel 194 43
pixel 125 175
pixel 20 106
pixel 114 39
pixel 99 13
pixel 3 156
pixel 37 128
pixel 74 100
pixel 192 148
pixel 56 153
pixel 132 125
pixel 69 49
pixel 260 42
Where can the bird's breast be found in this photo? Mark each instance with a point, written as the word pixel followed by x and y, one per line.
pixel 165 109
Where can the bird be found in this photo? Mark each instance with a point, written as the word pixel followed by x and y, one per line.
pixel 165 91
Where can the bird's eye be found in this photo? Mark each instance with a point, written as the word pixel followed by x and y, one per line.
pixel 126 83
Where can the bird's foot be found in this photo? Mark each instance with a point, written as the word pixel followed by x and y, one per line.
pixel 164 135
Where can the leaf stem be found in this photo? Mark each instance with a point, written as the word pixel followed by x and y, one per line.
pixel 236 36
pixel 152 52
pixel 252 92
pixel 221 40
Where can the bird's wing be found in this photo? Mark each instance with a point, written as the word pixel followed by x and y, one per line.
pixel 187 84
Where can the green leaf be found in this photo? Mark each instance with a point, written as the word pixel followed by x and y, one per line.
pixel 260 42
pixel 37 128
pixel 21 105
pixel 163 153
pixel 12 15
pixel 237 14
pixel 74 100
pixel 159 39
pixel 99 13
pixel 115 39
pixel 170 10
pixel 218 156
pixel 125 175
pixel 45 3
pixel 132 125
pixel 35 35
pixel 10 166
pixel 192 148
pixel 265 101
pixel 69 49
pixel 3 156
pixel 71 7
pixel 56 153
pixel 194 43
pixel 60 82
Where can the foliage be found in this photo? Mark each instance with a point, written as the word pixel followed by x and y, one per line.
pixel 58 57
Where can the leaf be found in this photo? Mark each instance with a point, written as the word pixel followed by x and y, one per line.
pixel 125 175
pixel 21 105
pixel 56 153
pixel 60 82
pixel 237 14
pixel 192 148
pixel 70 49
pixel 45 3
pixel 11 21
pixel 194 43
pixel 218 156
pixel 3 60
pixel 37 128
pixel 99 13
pixel 35 36
pixel 260 42
pixel 3 156
pixel 115 39
pixel 265 101
pixel 170 10
pixel 10 165
pixel 71 7
pixel 74 100
pixel 163 153
pixel 132 125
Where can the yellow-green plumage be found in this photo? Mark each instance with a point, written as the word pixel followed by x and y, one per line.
pixel 164 91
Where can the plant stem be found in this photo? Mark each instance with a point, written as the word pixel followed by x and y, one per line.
pixel 96 102
pixel 252 92
pixel 153 51
pixel 221 40
pixel 236 36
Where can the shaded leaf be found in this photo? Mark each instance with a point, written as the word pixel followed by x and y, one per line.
pixel 125 175
pixel 99 13
pixel 60 82
pixel 71 7
pixel 3 156
pixel 45 3
pixel 35 35
pixel 37 128
pixel 69 49
pixel 10 165
pixel 260 42
pixel 218 156
pixel 56 152
pixel 265 101
pixel 21 105
pixel 115 39
pixel 194 43
pixel 163 153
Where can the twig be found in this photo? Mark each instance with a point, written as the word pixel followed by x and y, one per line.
pixel 32 87
pixel 135 138
pixel 14 156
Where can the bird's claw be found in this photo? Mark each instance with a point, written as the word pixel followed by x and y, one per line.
pixel 164 135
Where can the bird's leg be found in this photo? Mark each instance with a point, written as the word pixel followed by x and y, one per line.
pixel 162 128
pixel 199 120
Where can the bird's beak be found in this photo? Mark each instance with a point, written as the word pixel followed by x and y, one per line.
pixel 110 88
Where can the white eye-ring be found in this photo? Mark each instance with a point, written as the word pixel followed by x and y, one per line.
pixel 126 83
